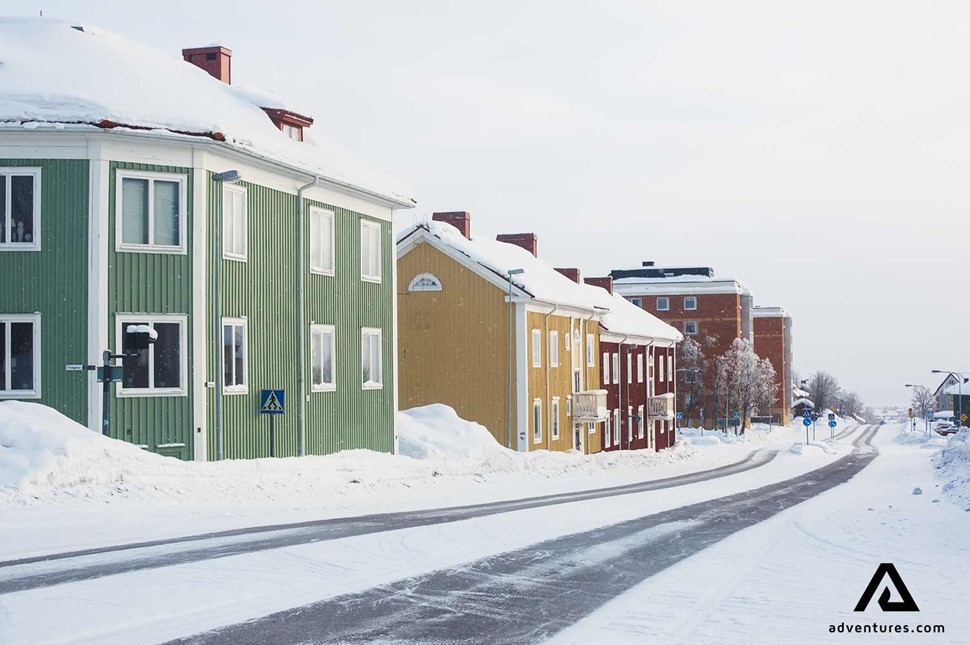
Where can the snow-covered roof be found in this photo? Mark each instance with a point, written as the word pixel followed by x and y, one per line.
pixel 678 285
pixel 629 320
pixel 803 401
pixel 957 389
pixel 767 311
pixel 53 75
pixel 539 279
pixel 797 391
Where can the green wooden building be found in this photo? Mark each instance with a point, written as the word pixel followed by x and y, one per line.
pixel 111 216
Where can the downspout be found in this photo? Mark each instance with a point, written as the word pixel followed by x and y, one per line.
pixel 648 432
pixel 301 318
pixel 585 430
pixel 548 360
pixel 619 392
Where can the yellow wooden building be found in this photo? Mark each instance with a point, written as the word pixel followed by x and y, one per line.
pixel 487 328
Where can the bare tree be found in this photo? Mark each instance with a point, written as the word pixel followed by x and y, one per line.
pixel 824 390
pixel 923 400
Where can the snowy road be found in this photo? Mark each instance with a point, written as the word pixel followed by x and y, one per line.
pixel 530 594
pixel 43 571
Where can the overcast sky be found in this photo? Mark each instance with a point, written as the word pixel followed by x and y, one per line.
pixel 818 151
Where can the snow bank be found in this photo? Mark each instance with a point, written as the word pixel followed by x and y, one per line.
pixel 46 457
pixel 811 448
pixel 953 463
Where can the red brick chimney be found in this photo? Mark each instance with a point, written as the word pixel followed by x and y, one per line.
pixel 606 283
pixel 572 274
pixel 214 59
pixel 527 241
pixel 462 220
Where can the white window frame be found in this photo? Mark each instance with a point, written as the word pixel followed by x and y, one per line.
pixel 322 330
pixel 670 368
pixel 687 323
pixel 629 367
pixel 122 319
pixel 537 421
pixel 606 368
pixel 152 177
pixel 640 368
pixel 590 350
pixel 316 211
pixel 366 226
pixel 536 348
pixel 637 301
pixel 372 331
pixel 425 282
pixel 641 423
pixel 616 368
pixel 22 318
pixel 8 208
pixel 236 322
pixel 608 430
pixel 554 418
pixel 617 427
pixel 228 189
pixel 663 303
pixel 629 425
pixel 553 348
pixel 661 376
pixel 693 301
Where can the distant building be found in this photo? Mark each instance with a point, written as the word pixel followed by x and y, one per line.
pixel 773 340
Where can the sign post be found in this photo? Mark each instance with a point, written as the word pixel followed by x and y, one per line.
pixel 832 424
pixel 806 422
pixel 272 402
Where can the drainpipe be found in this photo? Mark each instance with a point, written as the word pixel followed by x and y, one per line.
pixel 585 431
pixel 548 357
pixel 301 303
pixel 647 428
pixel 619 392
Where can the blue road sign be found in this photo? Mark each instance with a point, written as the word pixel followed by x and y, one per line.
pixel 807 413
pixel 832 423
pixel 680 415
pixel 272 402
pixel 737 415
pixel 831 416
pixel 806 422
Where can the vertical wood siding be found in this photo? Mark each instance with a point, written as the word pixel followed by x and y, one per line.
pixel 54 282
pixel 454 342
pixel 151 283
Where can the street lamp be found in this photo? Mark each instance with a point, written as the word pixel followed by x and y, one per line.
pixel 508 424
pixel 220 179
pixel 959 377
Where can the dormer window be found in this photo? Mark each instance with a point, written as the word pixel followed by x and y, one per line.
pixel 292 131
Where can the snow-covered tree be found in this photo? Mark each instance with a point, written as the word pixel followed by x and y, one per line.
pixel 923 400
pixel 744 383
pixel 692 376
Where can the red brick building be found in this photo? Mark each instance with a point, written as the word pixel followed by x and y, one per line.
pixel 712 311
pixel 773 340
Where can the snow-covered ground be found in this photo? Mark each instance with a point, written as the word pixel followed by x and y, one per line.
pixel 789 578
pixel 63 487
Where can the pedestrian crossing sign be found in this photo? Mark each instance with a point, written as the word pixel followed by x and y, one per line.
pixel 272 402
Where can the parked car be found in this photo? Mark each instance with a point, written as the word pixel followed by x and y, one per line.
pixel 945 428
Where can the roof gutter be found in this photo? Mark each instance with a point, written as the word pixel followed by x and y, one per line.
pixel 301 319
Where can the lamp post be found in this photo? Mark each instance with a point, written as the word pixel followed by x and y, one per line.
pixel 959 377
pixel 219 179
pixel 508 424
pixel 924 415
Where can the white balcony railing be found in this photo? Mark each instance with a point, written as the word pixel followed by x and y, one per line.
pixel 589 406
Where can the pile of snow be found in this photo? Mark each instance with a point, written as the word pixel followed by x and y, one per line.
pixel 811 448
pixel 953 463
pixel 46 457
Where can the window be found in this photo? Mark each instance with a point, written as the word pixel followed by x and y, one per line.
pixel 569 406
pixel 321 242
pixel 608 431
pixel 616 368
pixel 690 327
pixel 690 376
pixel 606 368
pixel 19 355
pixel 629 425
pixel 670 367
pixel 690 303
pixel 554 418
pixel 370 251
pixel 640 422
pixel 639 368
pixel 323 350
pixel 590 350
pixel 19 208
pixel 661 362
pixel 152 212
pixel 536 348
pixel 234 356
pixel 553 348
pixel 294 132
pixel 158 370
pixel 629 367
pixel 616 427
pixel 425 282
pixel 536 421
pixel 663 303
pixel 371 366
pixel 591 427
pixel 637 301
pixel 234 222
